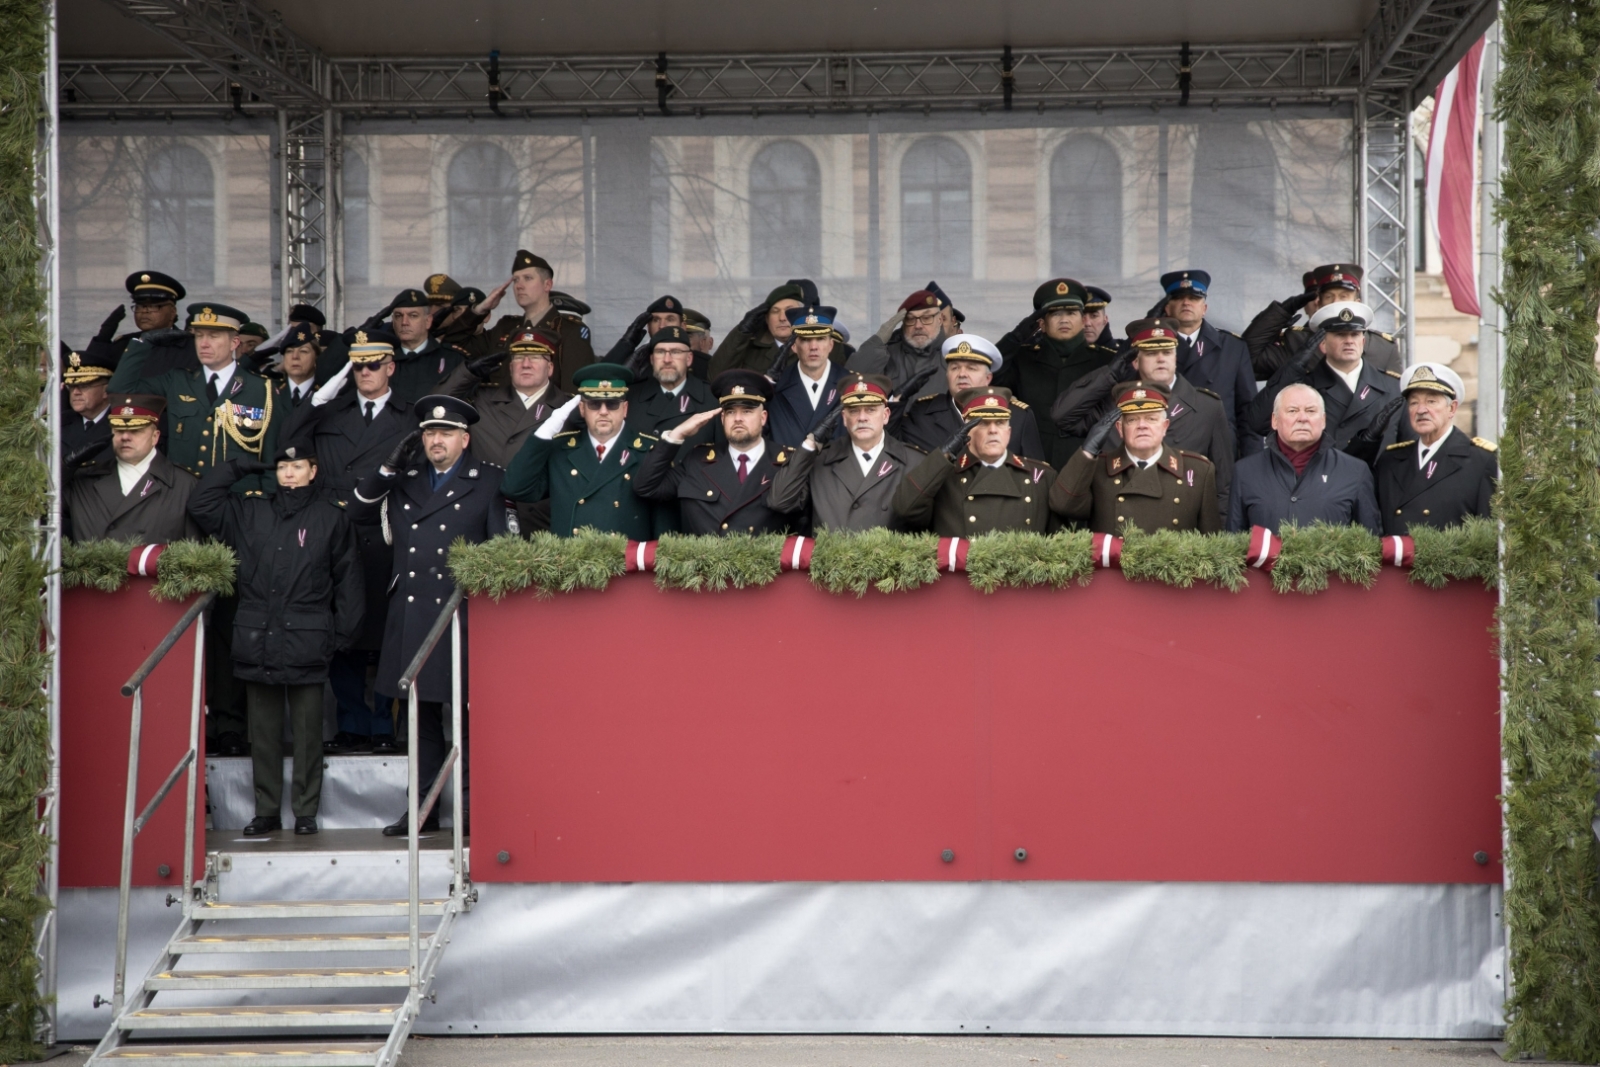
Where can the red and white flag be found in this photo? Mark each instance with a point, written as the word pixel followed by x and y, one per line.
pixel 1452 177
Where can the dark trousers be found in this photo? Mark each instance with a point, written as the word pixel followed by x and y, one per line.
pixel 225 699
pixel 266 704
pixel 348 676
pixel 431 747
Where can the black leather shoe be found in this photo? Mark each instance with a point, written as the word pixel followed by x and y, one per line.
pixel 305 824
pixel 346 742
pixel 398 827
pixel 263 824
pixel 384 745
pixel 232 744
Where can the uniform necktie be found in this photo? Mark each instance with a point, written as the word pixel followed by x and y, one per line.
pixel 368 415
pixel 211 389
pixel 600 452
pixel 744 467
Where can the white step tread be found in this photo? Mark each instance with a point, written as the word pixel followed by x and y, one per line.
pixel 331 941
pixel 280 978
pixel 236 1053
pixel 311 909
pixel 260 1016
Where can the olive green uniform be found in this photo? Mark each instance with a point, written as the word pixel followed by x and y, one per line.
pixel 1177 492
pixel 583 489
pixel 573 349
pixel 964 498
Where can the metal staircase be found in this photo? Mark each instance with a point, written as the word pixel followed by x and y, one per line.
pixel 185 1012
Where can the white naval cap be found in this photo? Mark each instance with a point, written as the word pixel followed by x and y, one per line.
pixel 1433 377
pixel 971 346
pixel 1344 315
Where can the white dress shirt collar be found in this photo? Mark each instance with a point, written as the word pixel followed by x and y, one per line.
pixel 224 377
pixel 867 459
pixel 755 454
pixel 1427 452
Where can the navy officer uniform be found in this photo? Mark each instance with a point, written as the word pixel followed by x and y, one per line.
pixel 1439 484
pixel 588 482
pixel 799 402
pixel 1216 360
pixel 1275 338
pixel 149 289
pixel 927 421
pixel 720 489
pixel 422 511
pixel 83 436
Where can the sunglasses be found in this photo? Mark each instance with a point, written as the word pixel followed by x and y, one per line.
pixel 371 368
pixel 607 405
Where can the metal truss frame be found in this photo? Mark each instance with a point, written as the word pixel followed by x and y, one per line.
pixel 309 221
pixel 1385 205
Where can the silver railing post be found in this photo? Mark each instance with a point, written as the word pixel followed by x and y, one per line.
pixel 458 779
pixel 196 703
pixel 125 879
pixel 413 901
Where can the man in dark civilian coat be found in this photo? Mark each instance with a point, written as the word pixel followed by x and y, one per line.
pixel 721 488
pixel 1443 476
pixel 425 502
pixel 1300 477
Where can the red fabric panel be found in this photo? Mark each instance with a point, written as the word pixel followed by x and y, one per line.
pixel 104 639
pixel 1122 731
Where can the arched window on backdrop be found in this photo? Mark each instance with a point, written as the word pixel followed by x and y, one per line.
pixel 1086 211
pixel 482 196
pixel 180 215
pixel 1235 229
pixel 357 221
pixel 785 212
pixel 935 210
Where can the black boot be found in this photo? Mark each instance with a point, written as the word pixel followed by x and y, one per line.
pixel 399 827
pixel 263 824
pixel 305 824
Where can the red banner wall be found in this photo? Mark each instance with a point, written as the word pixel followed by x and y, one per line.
pixel 104 639
pixel 1119 731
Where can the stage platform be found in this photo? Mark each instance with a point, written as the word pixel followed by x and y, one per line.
pixel 358 792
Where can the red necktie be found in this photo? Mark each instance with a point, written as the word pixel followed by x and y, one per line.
pixel 600 452
pixel 744 467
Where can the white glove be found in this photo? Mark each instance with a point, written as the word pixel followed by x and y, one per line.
pixel 331 389
pixel 558 418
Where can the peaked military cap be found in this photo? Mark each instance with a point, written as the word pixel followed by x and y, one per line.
pixel 129 411
pixel 1155 333
pixel 1434 378
pixel 1337 276
pixel 373 346
pixel 1059 293
pixel 441 289
pixel 75 371
pixel 307 313
pixel 1347 316
pixel 532 343
pixel 1142 396
pixel 857 389
pixel 665 305
pixel 153 287
pixel 974 349
pixel 989 402
pixel 437 409
pixel 813 321
pixel 566 303
pixel 205 316
pixel 603 381
pixel 525 259
pixel 1097 297
pixel 695 322
pixel 741 386
pixel 1186 282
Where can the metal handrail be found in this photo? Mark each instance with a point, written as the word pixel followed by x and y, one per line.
pixel 409 678
pixel 132 824
pixel 155 657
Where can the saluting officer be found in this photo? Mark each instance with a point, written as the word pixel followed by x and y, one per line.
pixel 155 299
pixel 671 393
pixel 531 283
pixel 910 345
pixel 218 411
pixel 1274 338
pixel 1443 476
pixel 85 431
pixel 1037 371
pixel 721 489
pixel 663 311
pixel 1145 482
pixel 422 361
pixel 754 343
pixel 1360 400
pixel 590 476
pixel 974 484
pixel 425 503
pixel 512 391
pixel 1196 421
pixel 848 483
pixel 928 420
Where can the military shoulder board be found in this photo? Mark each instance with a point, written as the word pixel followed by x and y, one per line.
pixel 1487 446
pixel 930 396
pixel 1018 404
pixel 1400 444
pixel 1392 373
pixel 1208 392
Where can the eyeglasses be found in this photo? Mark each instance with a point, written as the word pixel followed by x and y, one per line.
pixel 923 318
pixel 605 405
pixel 370 368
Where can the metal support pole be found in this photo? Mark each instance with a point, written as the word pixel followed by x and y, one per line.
pixel 1490 413
pixel 414 871
pixel 459 772
pixel 125 880
pixel 874 236
pixel 196 703
pixel 1385 204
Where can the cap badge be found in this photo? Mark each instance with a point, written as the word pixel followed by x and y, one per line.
pixel 1061 288
pixel 931 301
pixel 991 402
pixel 125 411
pixel 670 303
pixel 361 337
pixel 1345 316
pixel 963 349
pixel 75 361
pixel 289 451
pixel 738 390
pixel 811 320
pixel 860 387
pixel 144 277
pixel 438 411
pixel 1140 394
pixel 1158 332
pixel 1423 374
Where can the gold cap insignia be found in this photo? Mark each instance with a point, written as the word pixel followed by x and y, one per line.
pixel 75 361
pixel 1061 288
pixel 991 402
pixel 144 277
pixel 1423 374
pixel 861 387
pixel 738 390
pixel 361 337
pixel 1345 316
pixel 931 301
pixel 438 411
pixel 811 320
pixel 1140 394
pixel 964 348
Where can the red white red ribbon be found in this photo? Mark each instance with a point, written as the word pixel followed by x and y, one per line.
pixel 1107 550
pixel 641 556
pixel 1264 548
pixel 1399 551
pixel 142 560
pixel 953 554
pixel 797 553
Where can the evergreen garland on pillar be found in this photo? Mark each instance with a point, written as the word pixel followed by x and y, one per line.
pixel 1550 503
pixel 24 722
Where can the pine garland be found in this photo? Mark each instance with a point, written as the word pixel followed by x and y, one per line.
pixel 1471 550
pixel 873 559
pixel 712 564
pixel 186 568
pixel 24 488
pixel 1020 559
pixel 1550 505
pixel 547 563
pixel 1312 553
pixel 1182 559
